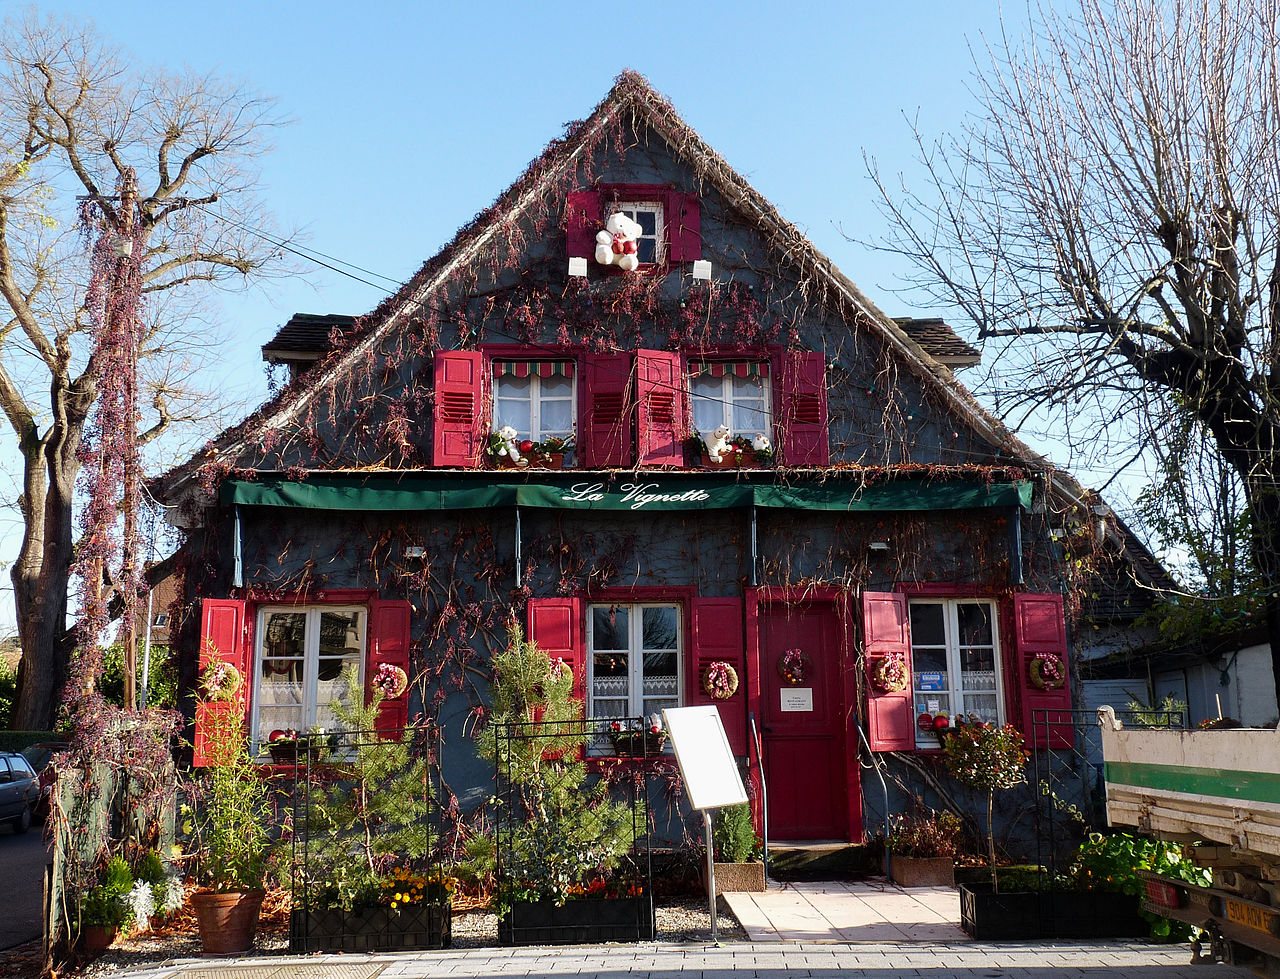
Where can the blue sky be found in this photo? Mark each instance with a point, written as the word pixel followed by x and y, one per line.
pixel 408 118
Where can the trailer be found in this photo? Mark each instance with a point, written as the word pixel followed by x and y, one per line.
pixel 1218 793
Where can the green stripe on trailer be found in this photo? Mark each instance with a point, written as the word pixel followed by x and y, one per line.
pixel 1241 786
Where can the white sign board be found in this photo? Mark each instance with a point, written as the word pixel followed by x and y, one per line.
pixel 797 698
pixel 706 761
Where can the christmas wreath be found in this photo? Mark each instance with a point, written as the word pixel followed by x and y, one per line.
pixel 720 680
pixel 794 666
pixel 891 673
pixel 220 680
pixel 390 681
pixel 1047 671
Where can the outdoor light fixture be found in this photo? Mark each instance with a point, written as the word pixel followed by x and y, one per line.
pixel 1100 514
pixel 578 267
pixel 414 551
pixel 701 269
pixel 879 546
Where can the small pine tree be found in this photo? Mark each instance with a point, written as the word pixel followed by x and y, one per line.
pixel 375 817
pixel 566 834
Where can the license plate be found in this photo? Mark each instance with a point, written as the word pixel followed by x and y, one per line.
pixel 1247 914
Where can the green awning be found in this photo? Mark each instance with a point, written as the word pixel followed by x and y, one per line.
pixel 614 491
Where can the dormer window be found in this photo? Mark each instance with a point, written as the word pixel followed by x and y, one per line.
pixel 650 241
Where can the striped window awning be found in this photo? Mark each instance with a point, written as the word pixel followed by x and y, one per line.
pixel 528 368
pixel 736 368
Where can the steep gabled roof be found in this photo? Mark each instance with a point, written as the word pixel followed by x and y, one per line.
pixel 631 98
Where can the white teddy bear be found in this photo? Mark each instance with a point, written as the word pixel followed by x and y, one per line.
pixel 616 245
pixel 510 445
pixel 761 443
pixel 718 445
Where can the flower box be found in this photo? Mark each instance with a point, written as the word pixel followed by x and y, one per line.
pixel 374 929
pixel 638 744
pixel 745 459
pixel 987 916
pixel 922 871
pixel 550 460
pixel 583 921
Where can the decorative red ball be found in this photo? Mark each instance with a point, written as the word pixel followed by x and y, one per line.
pixel 278 735
pixel 940 723
pixel 654 729
pixel 925 722
pixel 526 446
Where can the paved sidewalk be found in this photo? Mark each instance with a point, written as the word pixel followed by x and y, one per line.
pixel 766 961
pixel 871 910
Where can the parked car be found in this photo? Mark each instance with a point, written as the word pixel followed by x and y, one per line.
pixel 19 791
pixel 39 756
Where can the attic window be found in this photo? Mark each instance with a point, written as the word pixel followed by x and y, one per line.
pixel 647 214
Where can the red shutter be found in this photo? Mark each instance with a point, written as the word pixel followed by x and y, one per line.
pixel 891 722
pixel 460 407
pixel 802 395
pixel 1040 628
pixel 390 623
pixel 718 635
pixel 555 625
pixel 222 637
pixel 581 223
pixel 604 415
pixel 661 422
pixel 684 227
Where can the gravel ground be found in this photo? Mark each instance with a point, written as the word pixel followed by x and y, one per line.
pixel 679 920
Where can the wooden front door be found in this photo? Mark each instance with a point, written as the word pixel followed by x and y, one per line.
pixel 810 772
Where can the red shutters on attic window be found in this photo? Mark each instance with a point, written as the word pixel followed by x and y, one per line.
pixel 223 637
pixel 661 395
pixel 802 421
pixel 1040 629
pixel 684 227
pixel 460 409
pixel 582 221
pixel 885 631
pixel 585 213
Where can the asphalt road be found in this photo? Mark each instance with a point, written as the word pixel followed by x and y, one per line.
pixel 22 860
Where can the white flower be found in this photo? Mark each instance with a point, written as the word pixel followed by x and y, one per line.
pixel 141 900
pixel 173 893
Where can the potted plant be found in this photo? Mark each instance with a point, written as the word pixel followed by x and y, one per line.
pixel 565 844
pixel 644 739
pixel 365 882
pixel 922 848
pixel 737 858
pixel 991 758
pixel 105 908
pixel 230 835
pixel 505 450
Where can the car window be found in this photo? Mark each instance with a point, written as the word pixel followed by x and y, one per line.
pixel 21 767
pixel 5 775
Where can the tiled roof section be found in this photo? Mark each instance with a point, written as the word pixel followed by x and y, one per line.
pixel 939 340
pixel 1130 581
pixel 308 333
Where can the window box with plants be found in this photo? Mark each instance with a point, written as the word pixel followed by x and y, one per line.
pixel 921 849
pixel 506 450
pixel 567 867
pixel 722 451
pixel 364 882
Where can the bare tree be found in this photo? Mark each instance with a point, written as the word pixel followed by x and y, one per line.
pixel 76 118
pixel 1110 216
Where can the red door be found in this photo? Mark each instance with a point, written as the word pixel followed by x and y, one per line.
pixel 803 721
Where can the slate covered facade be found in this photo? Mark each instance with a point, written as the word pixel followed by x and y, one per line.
pixel 359 519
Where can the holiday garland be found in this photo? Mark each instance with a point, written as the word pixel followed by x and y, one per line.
pixel 1047 671
pixel 390 681
pixel 720 680
pixel 891 673
pixel 220 680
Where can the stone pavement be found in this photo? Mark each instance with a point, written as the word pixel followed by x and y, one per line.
pixel 824 931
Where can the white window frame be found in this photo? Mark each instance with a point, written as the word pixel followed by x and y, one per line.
pixel 310 659
pixel 951 638
pixel 538 434
pixel 635 653
pixel 727 404
pixel 659 237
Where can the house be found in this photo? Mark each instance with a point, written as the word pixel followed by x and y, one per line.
pixel 874 560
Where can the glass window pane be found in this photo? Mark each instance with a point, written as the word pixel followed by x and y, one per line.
pixel 975 624
pixel 660 627
pixel 926 625
pixel 750 420
pixel 980 659
pixel 609 665
pixel 557 418
pixel 556 386
pixel 930 659
pixel 609 627
pixel 648 222
pixel 646 250
pixel 513 413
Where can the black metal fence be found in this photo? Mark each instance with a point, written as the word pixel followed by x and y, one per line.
pixel 572 829
pixel 365 825
pixel 1067 779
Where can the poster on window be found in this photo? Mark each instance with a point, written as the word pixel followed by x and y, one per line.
pixel 931 681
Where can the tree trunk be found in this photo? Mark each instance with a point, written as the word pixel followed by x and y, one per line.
pixel 42 573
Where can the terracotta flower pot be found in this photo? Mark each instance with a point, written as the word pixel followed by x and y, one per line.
pixel 227 921
pixel 97 938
